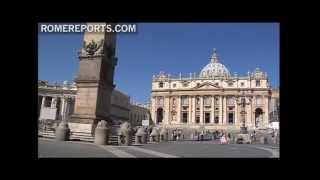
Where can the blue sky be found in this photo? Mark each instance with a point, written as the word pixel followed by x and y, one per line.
pixel 168 47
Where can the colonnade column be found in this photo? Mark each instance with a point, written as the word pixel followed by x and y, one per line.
pixel 43 101
pixel 62 108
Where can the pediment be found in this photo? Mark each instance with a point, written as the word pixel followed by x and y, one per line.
pixel 207 85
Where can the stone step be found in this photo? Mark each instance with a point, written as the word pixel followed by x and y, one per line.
pixel 82 137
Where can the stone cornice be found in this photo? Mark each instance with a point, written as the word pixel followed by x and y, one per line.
pixel 252 92
pixel 56 91
pixel 216 89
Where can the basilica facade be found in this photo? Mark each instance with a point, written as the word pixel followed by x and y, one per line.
pixel 212 100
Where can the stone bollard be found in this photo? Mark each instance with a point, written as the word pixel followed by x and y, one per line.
pixel 154 136
pixel 141 136
pixel 263 140
pixel 163 135
pixel 101 133
pixel 125 134
pixel 63 132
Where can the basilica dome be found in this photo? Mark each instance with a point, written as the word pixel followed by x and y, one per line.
pixel 214 68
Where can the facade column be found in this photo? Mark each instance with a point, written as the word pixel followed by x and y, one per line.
pixel 249 113
pixel 247 120
pixel 62 107
pixel 67 104
pixel 212 110
pixel 42 105
pixel 166 109
pixel 236 112
pixel 224 110
pixel 43 101
pixel 253 104
pixel 220 110
pixel 201 110
pixel 153 109
pixel 190 110
pixel 193 117
pixel 266 110
pixel 178 109
pixel 53 102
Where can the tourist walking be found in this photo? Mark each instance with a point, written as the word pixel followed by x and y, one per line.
pixel 228 138
pixel 223 139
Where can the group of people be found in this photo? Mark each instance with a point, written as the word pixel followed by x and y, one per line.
pixel 253 136
pixel 225 138
pixel 177 135
pixel 222 136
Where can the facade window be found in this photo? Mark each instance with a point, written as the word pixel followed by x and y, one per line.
pixel 217 84
pixel 184 100
pixel 230 84
pixel 160 84
pixel 230 101
pixel 48 101
pixel 198 84
pixel 174 101
pixel 197 100
pixel 197 119
pixel 230 118
pixel 243 101
pixel 185 85
pixel 242 84
pixel 216 101
pixel 216 117
pixel 207 100
pixel 257 83
pixel 174 85
pixel 174 115
pixel 160 101
pixel 184 117
pixel 259 100
pixel 207 117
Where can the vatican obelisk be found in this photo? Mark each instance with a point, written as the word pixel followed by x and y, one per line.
pixel 94 81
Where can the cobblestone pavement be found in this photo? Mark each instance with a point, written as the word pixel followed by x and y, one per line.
pixel 172 149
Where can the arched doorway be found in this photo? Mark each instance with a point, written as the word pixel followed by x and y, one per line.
pixel 258 117
pixel 159 115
